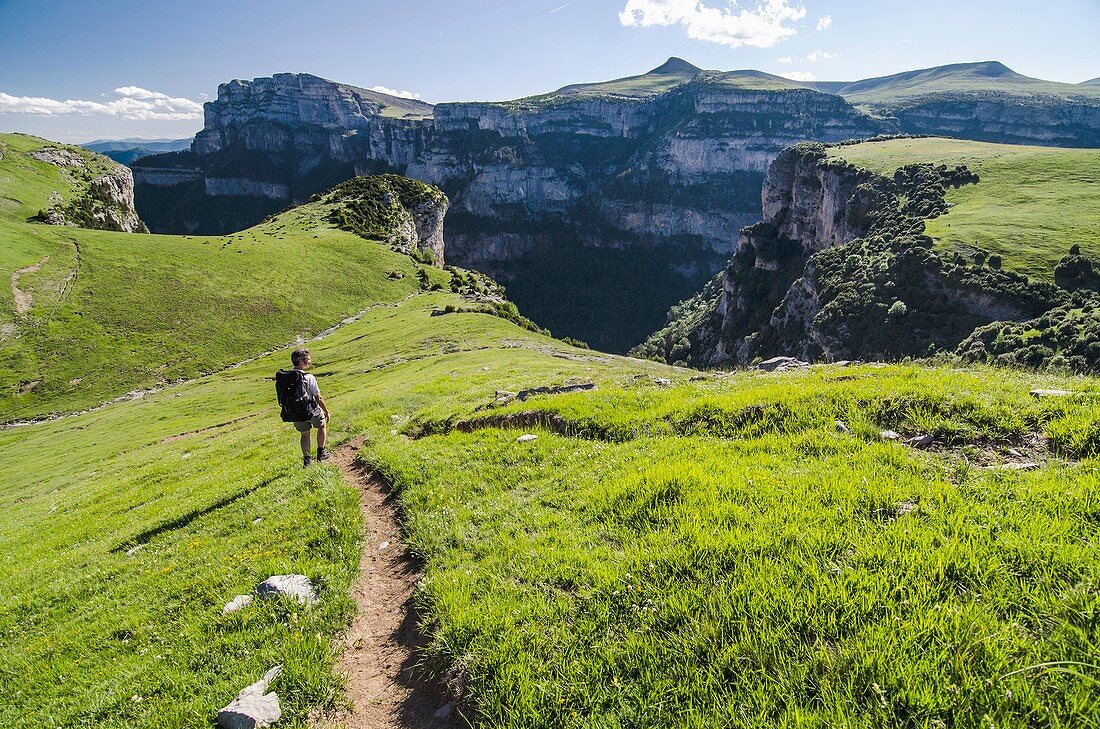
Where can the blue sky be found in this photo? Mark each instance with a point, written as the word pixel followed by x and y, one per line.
pixel 116 68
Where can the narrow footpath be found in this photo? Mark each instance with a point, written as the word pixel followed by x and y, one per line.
pixel 379 649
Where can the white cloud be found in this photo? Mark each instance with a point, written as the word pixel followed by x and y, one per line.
pixel 811 57
pixel 134 103
pixel 799 76
pixel 824 23
pixel 394 92
pixel 765 25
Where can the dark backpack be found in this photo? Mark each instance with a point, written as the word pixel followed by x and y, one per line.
pixel 295 400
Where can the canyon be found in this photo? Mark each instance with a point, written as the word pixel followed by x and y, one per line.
pixel 599 205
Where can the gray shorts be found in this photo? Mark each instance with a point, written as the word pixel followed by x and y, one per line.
pixel 316 422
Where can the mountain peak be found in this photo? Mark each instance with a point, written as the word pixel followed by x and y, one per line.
pixel 674 67
pixel 992 68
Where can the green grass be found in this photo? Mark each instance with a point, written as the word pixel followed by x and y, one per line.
pixel 715 552
pixel 136 311
pixel 84 628
pixel 1031 204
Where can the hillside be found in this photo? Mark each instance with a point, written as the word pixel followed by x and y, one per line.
pixel 983 77
pixel 908 248
pixel 674 548
pixel 90 315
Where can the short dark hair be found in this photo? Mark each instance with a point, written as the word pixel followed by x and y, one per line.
pixel 299 356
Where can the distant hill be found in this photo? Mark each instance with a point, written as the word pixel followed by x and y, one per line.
pixel 985 101
pixel 1091 82
pixel 125 151
pixel 672 74
pixel 986 76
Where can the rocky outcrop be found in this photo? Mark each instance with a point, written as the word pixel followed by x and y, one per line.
pixel 406 214
pixel 841 269
pixel 102 191
pixel 1014 119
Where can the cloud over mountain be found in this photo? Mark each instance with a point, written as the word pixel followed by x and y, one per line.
pixel 769 22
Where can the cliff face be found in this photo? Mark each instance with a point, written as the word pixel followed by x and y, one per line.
pixel 570 192
pixel 841 269
pixel 1040 120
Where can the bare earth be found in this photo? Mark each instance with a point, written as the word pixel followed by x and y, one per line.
pixel 379 651
pixel 23 300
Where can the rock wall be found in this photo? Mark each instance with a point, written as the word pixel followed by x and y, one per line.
pixel 992 117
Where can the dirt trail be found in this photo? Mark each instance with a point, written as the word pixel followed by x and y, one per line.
pixel 23 300
pixel 379 649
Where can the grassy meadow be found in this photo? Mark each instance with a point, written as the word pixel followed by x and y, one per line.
pixel 1031 204
pixel 113 312
pixel 675 549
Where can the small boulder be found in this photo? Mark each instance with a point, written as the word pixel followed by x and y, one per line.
pixel 890 435
pixel 782 364
pixel 662 381
pixel 297 587
pixel 842 427
pixel 526 438
pixel 920 441
pixel 238 603
pixel 1051 393
pixel 253 707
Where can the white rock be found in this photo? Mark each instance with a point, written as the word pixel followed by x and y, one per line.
pixel 781 364
pixel 1020 466
pixel 526 438
pixel 842 427
pixel 663 381
pixel 238 603
pixel 297 587
pixel 383 545
pixel 253 707
pixel 920 441
pixel 890 435
pixel 1051 393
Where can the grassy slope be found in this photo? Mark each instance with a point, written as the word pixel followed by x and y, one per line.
pixel 746 564
pixel 85 628
pixel 1031 205
pixel 145 309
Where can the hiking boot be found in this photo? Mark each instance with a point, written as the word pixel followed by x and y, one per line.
pixel 323 455
pixel 306 461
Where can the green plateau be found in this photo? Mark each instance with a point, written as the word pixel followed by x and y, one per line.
pixel 1030 207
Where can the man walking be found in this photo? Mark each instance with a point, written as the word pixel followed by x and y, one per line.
pixel 319 417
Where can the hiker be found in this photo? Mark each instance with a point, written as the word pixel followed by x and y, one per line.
pixel 302 404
